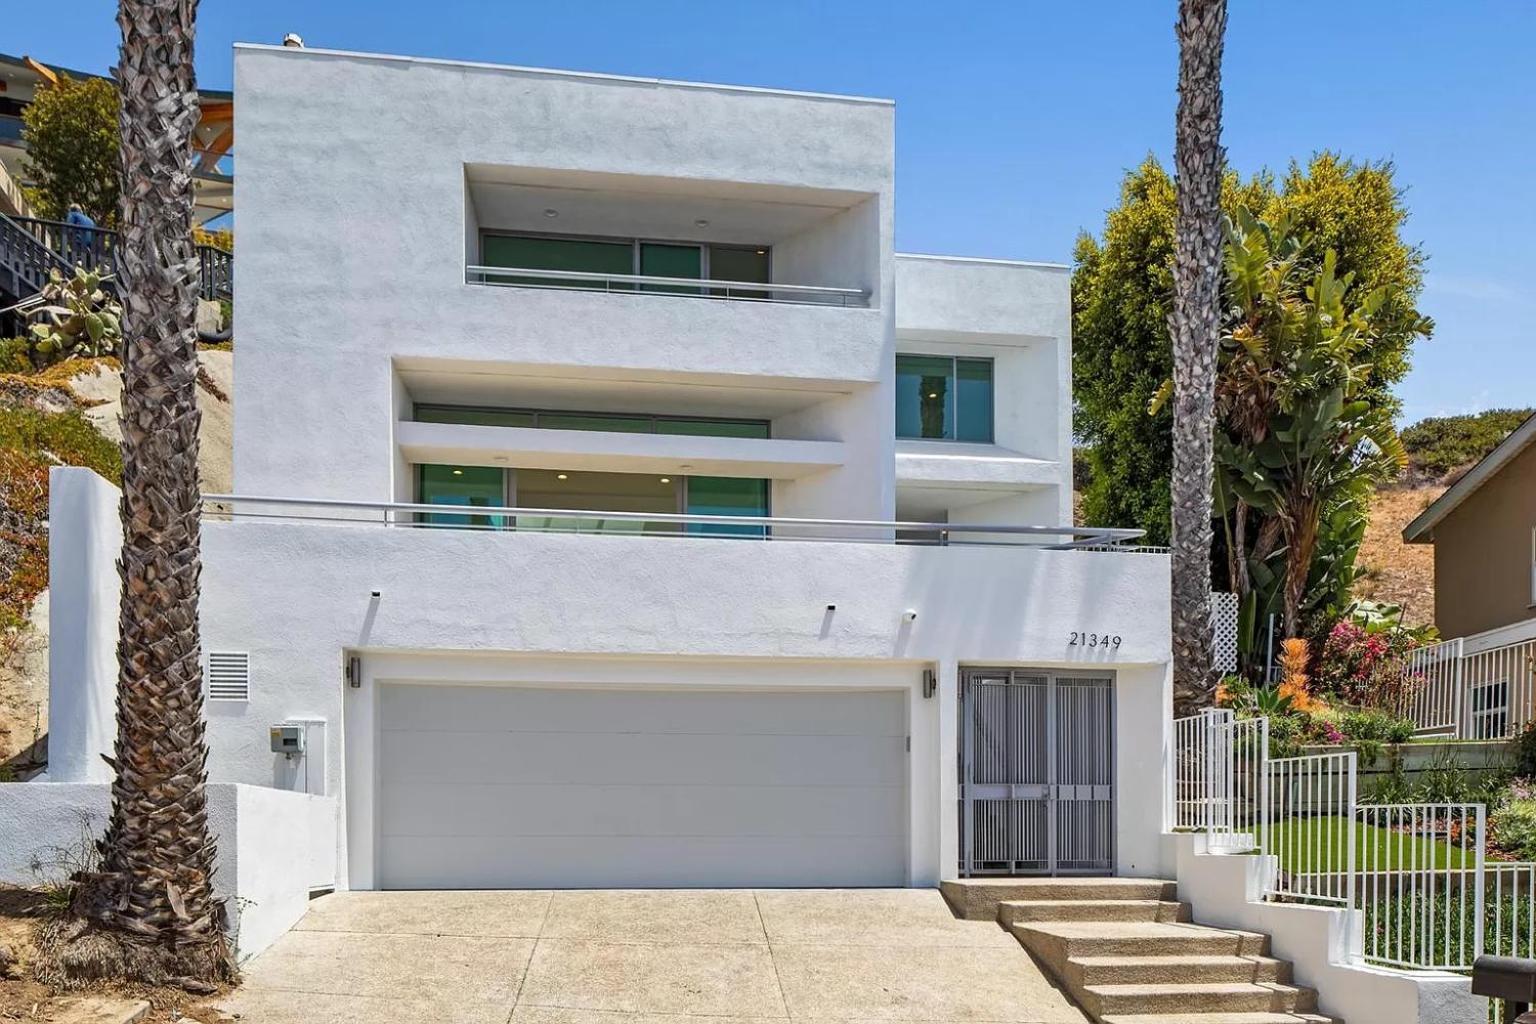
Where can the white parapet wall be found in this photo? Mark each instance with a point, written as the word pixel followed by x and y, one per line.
pixel 275 848
pixel 1226 891
pixel 82 623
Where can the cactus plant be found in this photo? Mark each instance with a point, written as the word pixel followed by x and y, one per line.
pixel 78 319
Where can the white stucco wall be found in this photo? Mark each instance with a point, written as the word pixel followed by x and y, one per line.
pixel 1018 315
pixel 348 263
pixel 82 623
pixel 1226 891
pixel 274 847
pixel 297 596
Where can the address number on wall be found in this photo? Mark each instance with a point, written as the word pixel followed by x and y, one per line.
pixel 1093 640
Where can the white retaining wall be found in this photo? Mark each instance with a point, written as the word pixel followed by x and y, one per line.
pixel 274 847
pixel 1226 891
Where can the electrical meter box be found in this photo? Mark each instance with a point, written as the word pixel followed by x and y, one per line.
pixel 287 739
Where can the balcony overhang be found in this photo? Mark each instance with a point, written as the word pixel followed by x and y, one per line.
pixel 615 452
pixel 971 466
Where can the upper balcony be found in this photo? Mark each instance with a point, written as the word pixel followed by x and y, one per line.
pixel 718 276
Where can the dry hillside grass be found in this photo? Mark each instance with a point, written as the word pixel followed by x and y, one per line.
pixel 1391 571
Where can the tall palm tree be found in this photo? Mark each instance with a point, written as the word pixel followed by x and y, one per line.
pixel 1194 325
pixel 149 911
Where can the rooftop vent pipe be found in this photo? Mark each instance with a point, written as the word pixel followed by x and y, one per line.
pixel 294 40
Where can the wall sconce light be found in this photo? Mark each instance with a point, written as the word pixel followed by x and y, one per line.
pixel 930 683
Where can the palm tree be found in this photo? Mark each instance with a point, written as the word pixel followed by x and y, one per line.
pixel 1194 326
pixel 148 912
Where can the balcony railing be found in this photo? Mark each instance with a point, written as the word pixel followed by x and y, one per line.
pixel 645 284
pixel 412 515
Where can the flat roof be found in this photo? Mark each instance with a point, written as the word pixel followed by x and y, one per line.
pixel 559 73
pixel 1037 264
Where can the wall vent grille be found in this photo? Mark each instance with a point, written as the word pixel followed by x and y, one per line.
pixel 229 675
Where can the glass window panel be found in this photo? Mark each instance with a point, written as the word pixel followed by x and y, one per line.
pixel 925 399
pixel 739 263
pixel 727 496
pixel 460 485
pixel 658 259
pixel 973 400
pixel 588 421
pixel 474 416
pixel 597 492
pixel 557 254
pixel 712 428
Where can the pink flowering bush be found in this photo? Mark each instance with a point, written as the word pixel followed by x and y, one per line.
pixel 1365 668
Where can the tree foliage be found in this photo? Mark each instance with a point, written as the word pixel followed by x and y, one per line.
pixel 1122 291
pixel 1440 444
pixel 71 133
pixel 1302 437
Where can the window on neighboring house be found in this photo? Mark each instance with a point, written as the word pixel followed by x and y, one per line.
pixel 944 398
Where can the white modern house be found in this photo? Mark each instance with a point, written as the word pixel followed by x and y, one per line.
pixel 708 623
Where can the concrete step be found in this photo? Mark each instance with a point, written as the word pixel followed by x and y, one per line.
pixel 1055 942
pixel 977 899
pixel 1012 911
pixel 1080 971
pixel 1223 997
pixel 1217 1018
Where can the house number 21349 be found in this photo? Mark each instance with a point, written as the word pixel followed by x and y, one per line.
pixel 1093 640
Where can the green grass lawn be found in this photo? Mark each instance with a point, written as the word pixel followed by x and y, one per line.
pixel 1307 845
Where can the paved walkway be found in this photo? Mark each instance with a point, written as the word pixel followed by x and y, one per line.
pixel 652 957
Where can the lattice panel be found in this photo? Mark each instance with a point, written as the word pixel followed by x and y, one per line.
pixel 1224 630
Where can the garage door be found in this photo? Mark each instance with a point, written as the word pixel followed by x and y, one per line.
pixel 503 786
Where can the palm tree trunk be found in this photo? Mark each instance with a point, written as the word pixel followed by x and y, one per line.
pixel 153 889
pixel 1194 325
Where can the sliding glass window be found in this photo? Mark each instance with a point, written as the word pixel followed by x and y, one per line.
pixel 556 419
pixel 569 254
pixel 944 398
pixel 470 486
pixel 727 496
pixel 634 493
pixel 608 257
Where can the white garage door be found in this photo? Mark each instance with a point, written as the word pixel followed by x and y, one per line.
pixel 510 786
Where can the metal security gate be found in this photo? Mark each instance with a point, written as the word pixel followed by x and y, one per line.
pixel 1036 772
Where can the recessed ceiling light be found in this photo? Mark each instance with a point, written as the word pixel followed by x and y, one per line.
pixel 458 472
pixel 561 476
pixel 933 394
pixel 762 252
pixel 666 479
pixel 551 213
pixel 701 223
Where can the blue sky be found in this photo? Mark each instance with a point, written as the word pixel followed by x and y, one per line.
pixel 1016 119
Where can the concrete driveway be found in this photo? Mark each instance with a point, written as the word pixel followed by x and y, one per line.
pixel 650 957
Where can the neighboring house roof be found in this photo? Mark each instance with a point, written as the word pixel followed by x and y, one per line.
pixel 29 64
pixel 1421 530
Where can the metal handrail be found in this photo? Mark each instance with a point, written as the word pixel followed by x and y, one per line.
pixel 1091 536
pixel 697 286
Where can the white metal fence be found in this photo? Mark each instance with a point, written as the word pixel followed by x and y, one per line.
pixel 1309 827
pixel 1486 694
pixel 1417 874
pixel 1421 882
pixel 1218 778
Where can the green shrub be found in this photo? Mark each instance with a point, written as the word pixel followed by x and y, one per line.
pixel 1442 443
pixel 13 355
pixel 1525 752
pixel 1514 828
